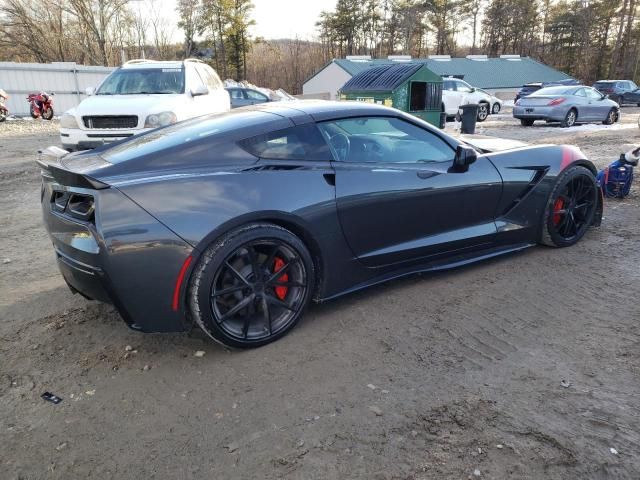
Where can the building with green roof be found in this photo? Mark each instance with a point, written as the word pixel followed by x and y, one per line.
pixel 503 75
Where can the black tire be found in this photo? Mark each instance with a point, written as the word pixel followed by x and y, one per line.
pixel 225 278
pixel 32 111
pixel 526 122
pixel 3 115
pixel 48 114
pixel 570 208
pixel 570 118
pixel 483 111
pixel 495 109
pixel 612 117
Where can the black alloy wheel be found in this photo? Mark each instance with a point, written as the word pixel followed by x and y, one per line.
pixel 571 208
pixel 252 286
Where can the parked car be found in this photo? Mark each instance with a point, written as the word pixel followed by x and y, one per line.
pixel 456 92
pixel 567 105
pixel 495 103
pixel 237 221
pixel 241 97
pixel 528 89
pixel 140 96
pixel 620 91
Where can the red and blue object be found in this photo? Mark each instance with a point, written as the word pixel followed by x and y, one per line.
pixel 616 179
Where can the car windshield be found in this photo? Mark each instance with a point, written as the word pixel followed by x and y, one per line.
pixel 129 81
pixel 554 91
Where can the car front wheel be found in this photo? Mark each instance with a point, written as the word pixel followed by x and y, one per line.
pixel 495 109
pixel 612 116
pixel 570 209
pixel 252 285
pixel 570 119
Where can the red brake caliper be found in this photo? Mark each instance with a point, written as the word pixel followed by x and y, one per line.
pixel 557 206
pixel 281 292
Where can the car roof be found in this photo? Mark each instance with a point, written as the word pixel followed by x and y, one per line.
pixel 320 110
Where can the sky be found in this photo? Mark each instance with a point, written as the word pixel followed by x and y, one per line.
pixel 288 18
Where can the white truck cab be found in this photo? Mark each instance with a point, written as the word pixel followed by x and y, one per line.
pixel 142 95
pixel 456 92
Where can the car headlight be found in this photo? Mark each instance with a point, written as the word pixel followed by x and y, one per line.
pixel 68 121
pixel 160 120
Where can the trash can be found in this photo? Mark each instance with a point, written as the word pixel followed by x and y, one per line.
pixel 443 120
pixel 469 117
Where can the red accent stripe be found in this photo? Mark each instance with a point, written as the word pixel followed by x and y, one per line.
pixel 179 280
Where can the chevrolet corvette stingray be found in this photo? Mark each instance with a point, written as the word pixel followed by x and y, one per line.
pixel 237 221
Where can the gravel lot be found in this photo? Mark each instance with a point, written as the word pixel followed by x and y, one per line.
pixel 521 367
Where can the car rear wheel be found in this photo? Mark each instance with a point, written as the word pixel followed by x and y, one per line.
pixel 483 111
pixel 570 209
pixel 612 116
pixel 496 108
pixel 252 285
pixel 570 118
pixel 526 122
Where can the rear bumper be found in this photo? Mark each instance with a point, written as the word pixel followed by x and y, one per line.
pixel 124 257
pixel 539 113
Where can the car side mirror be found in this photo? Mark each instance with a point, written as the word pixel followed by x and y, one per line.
pixel 90 91
pixel 473 89
pixel 199 90
pixel 465 156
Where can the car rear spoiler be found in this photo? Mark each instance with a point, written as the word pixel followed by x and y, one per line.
pixel 49 160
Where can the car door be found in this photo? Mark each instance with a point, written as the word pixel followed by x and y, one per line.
pixel 580 100
pixel 450 97
pixel 599 109
pixel 398 197
pixel 218 99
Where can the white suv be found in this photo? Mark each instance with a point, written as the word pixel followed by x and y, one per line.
pixel 456 92
pixel 139 96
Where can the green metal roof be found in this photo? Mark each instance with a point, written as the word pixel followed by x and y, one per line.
pixel 381 78
pixel 489 73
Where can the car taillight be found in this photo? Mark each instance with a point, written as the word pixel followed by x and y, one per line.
pixel 556 101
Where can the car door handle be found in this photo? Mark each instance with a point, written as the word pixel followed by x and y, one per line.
pixel 424 174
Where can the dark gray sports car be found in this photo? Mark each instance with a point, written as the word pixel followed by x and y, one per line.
pixel 236 221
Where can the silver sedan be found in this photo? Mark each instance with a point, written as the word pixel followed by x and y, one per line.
pixel 567 105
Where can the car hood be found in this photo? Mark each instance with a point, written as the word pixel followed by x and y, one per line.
pixel 491 144
pixel 128 104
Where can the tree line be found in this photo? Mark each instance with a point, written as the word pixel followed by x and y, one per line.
pixel 588 39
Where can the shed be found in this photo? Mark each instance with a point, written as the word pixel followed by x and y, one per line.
pixel 410 87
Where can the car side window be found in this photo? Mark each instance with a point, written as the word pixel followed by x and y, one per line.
pixel 236 94
pixel 592 94
pixel 193 78
pixel 384 140
pixel 463 87
pixel 253 95
pixel 302 142
pixel 210 78
pixel 580 93
pixel 633 86
pixel 449 85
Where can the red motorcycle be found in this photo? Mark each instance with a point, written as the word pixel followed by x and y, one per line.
pixel 41 105
pixel 4 111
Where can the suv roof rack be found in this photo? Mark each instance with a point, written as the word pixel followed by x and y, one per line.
pixel 138 60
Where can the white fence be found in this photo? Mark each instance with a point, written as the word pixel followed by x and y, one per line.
pixel 67 80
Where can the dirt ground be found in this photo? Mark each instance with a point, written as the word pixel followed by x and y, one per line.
pixel 523 367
